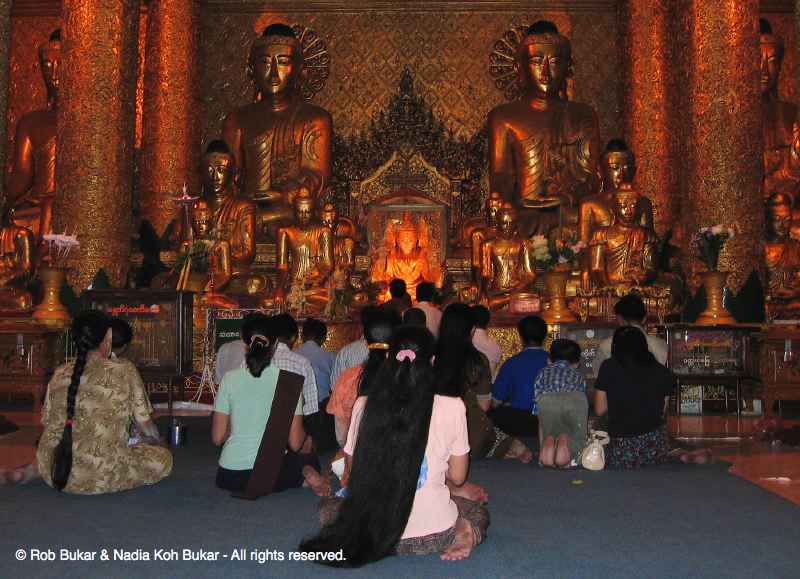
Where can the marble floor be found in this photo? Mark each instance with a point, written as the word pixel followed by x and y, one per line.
pixel 772 466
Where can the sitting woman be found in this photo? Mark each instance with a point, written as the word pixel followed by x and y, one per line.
pixel 87 416
pixel 407 445
pixel 463 372
pixel 243 407
pixel 354 382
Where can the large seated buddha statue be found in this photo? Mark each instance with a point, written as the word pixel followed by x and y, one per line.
pixel 281 143
pixel 31 185
pixel 783 259
pixel 507 265
pixel 624 252
pixel 543 149
pixel 304 261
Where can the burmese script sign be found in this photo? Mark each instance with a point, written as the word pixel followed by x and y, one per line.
pixel 588 337
pixel 707 351
pixel 162 328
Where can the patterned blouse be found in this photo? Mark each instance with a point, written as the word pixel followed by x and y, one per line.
pixel 110 395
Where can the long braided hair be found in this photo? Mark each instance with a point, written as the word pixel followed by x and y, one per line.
pixel 88 331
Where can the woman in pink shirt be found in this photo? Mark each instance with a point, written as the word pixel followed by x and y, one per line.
pixel 409 448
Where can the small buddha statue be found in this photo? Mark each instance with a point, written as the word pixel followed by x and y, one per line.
pixel 280 142
pixel 782 257
pixel 219 258
pixel 462 241
pixel 407 256
pixel 781 133
pixel 343 246
pixel 304 260
pixel 31 185
pixel 16 265
pixel 624 252
pixel 544 149
pixel 507 265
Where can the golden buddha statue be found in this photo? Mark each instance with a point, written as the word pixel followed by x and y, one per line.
pixel 462 241
pixel 782 257
pixel 304 260
pixel 407 256
pixel 280 142
pixel 781 133
pixel 16 265
pixel 343 246
pixel 219 258
pixel 543 148
pixel 625 252
pixel 507 265
pixel 31 185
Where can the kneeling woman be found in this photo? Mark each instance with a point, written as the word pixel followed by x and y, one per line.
pixel 87 416
pixel 243 407
pixel 407 445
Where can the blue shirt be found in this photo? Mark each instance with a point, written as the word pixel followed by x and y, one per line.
pixel 322 362
pixel 514 381
pixel 559 377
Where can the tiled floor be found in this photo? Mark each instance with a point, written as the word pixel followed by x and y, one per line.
pixel 773 467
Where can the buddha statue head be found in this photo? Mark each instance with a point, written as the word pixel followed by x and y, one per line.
pixel 407 235
pixel 626 204
pixel 50 62
pixel 275 63
pixel 771 59
pixel 328 216
pixel 507 220
pixel 778 216
pixel 493 205
pixel 618 164
pixel 303 207
pixel 219 167
pixel 544 59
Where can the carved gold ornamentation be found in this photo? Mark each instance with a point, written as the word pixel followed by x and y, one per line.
pixel 5 46
pixel 95 120
pixel 722 163
pixel 316 61
pixel 406 169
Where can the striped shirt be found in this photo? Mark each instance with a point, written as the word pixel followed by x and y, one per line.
pixel 560 376
pixel 285 359
pixel 353 354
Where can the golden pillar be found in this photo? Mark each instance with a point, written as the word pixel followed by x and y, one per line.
pixel 171 112
pixel 722 161
pixel 649 102
pixel 5 45
pixel 94 181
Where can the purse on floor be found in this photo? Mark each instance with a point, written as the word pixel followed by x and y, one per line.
pixel 593 455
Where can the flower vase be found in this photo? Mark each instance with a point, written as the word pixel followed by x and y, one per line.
pixel 557 309
pixel 715 313
pixel 51 310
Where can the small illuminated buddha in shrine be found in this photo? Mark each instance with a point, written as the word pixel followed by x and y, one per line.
pixel 31 185
pixel 543 149
pixel 507 265
pixel 782 257
pixel 218 250
pixel 16 265
pixel 624 252
pixel 408 256
pixel 280 142
pixel 343 247
pixel 304 260
pixel 781 133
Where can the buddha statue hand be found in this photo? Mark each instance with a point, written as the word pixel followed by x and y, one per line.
pixel 268 196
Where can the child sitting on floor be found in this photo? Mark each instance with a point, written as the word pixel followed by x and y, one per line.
pixel 560 391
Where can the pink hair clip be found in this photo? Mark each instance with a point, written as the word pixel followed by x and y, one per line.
pixel 406 354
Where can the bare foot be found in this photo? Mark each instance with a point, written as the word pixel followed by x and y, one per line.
pixel 470 491
pixel 463 544
pixel 548 452
pixel 563 456
pixel 519 451
pixel 19 475
pixel 318 483
pixel 699 456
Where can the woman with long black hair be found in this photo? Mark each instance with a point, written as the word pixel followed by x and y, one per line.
pixel 407 444
pixel 463 372
pixel 243 406
pixel 87 415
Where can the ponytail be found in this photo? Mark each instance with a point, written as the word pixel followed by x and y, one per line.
pixel 88 331
pixel 259 355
